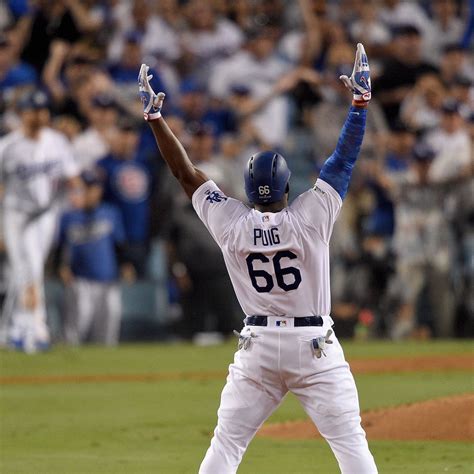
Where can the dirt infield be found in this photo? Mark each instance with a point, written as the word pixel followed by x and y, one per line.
pixel 358 366
pixel 449 418
pixel 443 419
pixel 413 364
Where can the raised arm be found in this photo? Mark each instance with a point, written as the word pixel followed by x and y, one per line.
pixel 171 149
pixel 337 169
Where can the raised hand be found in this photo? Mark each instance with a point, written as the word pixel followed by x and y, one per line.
pixel 359 82
pixel 152 103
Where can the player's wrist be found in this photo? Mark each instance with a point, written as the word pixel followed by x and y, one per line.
pixel 362 104
pixel 150 117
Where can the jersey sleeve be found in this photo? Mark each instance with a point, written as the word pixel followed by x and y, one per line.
pixel 218 212
pixel 318 208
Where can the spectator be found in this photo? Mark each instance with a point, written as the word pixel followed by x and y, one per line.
pixel 380 221
pixel 446 27
pixel 367 29
pixel 401 71
pixel 208 36
pixel 139 16
pixel 168 22
pixel 399 146
pixel 201 152
pixel 422 244
pixel 258 68
pixel 462 91
pixel 89 237
pixel 454 64
pixel 396 13
pixel 68 70
pixel 196 109
pixel 13 72
pixel 421 108
pixel 451 144
pixel 234 152
pixel 129 182
pixel 94 143
pixel 49 21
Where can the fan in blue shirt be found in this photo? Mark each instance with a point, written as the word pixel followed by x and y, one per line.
pixel 128 184
pixel 91 236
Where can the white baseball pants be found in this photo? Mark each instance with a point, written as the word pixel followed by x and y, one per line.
pixel 93 309
pixel 280 360
pixel 28 242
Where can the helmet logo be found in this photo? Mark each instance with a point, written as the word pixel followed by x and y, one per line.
pixel 264 190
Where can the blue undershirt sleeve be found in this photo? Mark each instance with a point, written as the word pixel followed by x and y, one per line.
pixel 337 169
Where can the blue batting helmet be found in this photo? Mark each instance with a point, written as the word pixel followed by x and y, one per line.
pixel 266 177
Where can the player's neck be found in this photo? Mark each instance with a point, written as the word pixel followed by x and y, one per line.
pixel 273 207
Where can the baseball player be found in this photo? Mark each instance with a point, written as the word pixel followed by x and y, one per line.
pixel 91 236
pixel 278 260
pixel 34 162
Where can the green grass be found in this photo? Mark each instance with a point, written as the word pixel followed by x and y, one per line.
pixel 151 358
pixel 165 426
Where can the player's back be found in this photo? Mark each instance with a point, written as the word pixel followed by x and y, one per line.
pixel 278 262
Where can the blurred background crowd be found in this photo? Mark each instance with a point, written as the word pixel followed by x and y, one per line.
pixel 241 76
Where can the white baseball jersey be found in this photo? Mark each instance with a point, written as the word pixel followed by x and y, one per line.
pixel 278 262
pixel 31 170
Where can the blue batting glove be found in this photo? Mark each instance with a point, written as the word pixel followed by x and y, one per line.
pixel 359 82
pixel 152 103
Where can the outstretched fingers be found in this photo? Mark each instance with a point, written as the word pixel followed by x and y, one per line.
pixel 143 77
pixel 142 73
pixel 361 58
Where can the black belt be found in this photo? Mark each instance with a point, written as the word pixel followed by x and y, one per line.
pixel 298 322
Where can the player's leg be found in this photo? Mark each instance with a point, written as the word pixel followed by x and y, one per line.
pixel 330 398
pixel 42 232
pixel 245 404
pixel 80 304
pixel 106 323
pixel 410 282
pixel 71 315
pixel 29 240
pixel 16 249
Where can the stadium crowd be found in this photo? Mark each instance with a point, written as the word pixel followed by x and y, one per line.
pixel 241 76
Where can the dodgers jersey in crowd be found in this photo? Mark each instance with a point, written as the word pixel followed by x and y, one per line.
pixel 31 170
pixel 90 238
pixel 278 262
